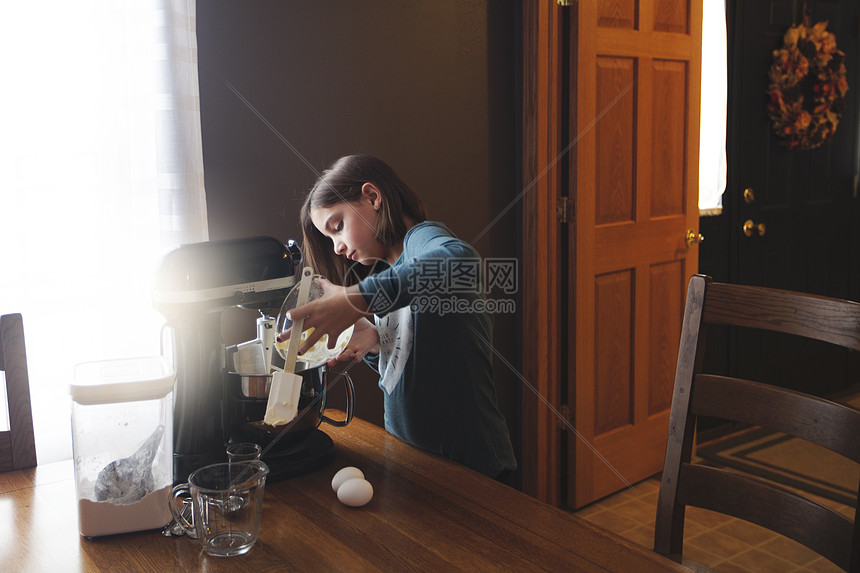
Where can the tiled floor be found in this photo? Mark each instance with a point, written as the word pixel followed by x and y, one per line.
pixel 719 542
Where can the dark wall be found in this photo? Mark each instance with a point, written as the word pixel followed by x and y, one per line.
pixel 431 87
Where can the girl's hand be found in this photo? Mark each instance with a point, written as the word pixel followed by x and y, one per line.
pixel 335 311
pixel 364 340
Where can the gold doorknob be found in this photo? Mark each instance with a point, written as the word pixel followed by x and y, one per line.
pixel 692 237
pixel 749 195
pixel 749 228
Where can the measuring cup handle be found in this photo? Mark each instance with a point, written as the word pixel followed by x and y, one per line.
pixel 350 404
pixel 182 492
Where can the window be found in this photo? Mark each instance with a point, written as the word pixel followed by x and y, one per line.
pixel 712 137
pixel 94 187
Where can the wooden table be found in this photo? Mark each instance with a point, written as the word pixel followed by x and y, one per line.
pixel 427 514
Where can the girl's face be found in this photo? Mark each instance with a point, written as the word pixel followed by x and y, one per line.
pixel 352 227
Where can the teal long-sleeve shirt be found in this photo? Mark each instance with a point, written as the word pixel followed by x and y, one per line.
pixel 435 360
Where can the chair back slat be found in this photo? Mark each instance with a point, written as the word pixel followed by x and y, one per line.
pixel 828 424
pixel 779 509
pixel 820 318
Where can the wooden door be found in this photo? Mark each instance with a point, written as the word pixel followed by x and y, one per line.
pixel 634 93
pixel 801 205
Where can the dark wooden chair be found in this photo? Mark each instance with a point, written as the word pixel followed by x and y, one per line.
pixel 18 445
pixel 828 424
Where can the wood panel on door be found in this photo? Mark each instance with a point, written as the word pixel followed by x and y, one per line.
pixel 634 107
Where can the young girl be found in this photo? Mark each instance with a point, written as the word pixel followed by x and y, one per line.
pixel 366 229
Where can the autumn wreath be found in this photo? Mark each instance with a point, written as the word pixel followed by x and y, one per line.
pixel 807 86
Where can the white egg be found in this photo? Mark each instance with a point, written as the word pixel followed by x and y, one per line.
pixel 355 492
pixel 344 474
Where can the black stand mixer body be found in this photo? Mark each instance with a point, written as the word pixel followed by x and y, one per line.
pixel 198 410
pixel 194 285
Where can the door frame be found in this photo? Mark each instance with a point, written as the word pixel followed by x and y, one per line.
pixel 542 242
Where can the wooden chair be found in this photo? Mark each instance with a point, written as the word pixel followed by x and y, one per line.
pixel 828 424
pixel 18 445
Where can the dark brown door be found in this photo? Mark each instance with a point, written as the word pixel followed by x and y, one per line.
pixel 799 207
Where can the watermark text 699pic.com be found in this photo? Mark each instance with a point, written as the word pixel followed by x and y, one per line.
pixel 443 286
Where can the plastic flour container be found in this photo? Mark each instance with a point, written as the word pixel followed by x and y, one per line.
pixel 122 441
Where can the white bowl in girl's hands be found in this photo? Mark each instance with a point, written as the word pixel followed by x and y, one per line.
pixel 319 353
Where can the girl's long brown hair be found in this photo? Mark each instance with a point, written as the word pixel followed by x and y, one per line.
pixel 341 183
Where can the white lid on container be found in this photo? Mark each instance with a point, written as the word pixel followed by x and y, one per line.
pixel 122 380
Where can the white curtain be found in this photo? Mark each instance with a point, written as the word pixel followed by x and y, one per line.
pixel 712 141
pixel 101 173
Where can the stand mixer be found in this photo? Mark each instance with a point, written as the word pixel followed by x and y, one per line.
pixel 219 399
